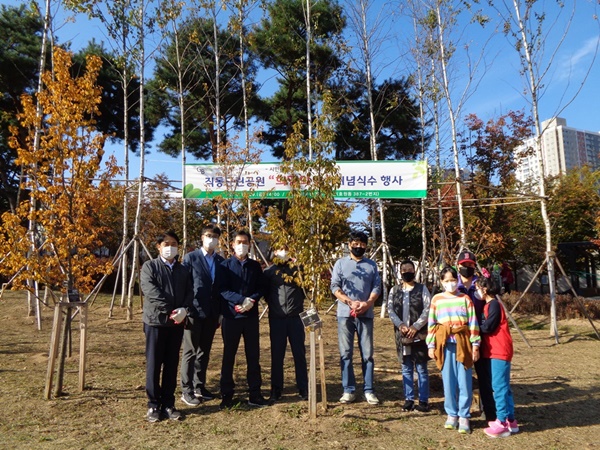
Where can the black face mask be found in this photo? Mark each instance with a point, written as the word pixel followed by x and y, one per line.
pixel 467 272
pixel 358 251
pixel 408 276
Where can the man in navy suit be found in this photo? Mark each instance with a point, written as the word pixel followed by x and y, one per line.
pixel 242 287
pixel 205 269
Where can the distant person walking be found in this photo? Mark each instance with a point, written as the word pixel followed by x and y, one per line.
pixel 507 277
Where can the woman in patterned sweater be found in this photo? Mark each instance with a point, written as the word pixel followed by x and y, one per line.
pixel 453 341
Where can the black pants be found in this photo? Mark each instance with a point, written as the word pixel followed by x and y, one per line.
pixel 280 331
pixel 162 355
pixel 232 330
pixel 484 380
pixel 197 342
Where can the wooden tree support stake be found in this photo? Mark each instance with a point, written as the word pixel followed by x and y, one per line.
pixel 60 309
pixel 312 377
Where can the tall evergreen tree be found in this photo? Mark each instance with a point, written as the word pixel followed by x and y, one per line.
pixel 280 42
pixel 198 80
pixel 20 33
pixel 111 109
pixel 396 113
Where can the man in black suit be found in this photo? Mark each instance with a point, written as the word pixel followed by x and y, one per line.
pixel 205 268
pixel 242 287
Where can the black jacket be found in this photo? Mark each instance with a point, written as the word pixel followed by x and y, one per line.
pixel 240 281
pixel 285 298
pixel 164 290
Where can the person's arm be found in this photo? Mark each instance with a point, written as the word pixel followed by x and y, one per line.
pixel 492 321
pixel 431 322
pixel 475 338
pixel 189 291
pixel 397 321
pixel 343 298
pixel 153 291
pixel 259 283
pixel 228 286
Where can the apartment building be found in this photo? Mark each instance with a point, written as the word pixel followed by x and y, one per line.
pixel 563 148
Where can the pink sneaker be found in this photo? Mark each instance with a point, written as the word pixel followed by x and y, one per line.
pixel 497 429
pixel 513 426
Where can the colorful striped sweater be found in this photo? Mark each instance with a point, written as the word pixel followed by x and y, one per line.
pixel 456 310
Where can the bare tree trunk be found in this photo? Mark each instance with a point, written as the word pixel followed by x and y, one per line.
pixel 140 196
pixel 422 120
pixel 33 291
pixel 307 19
pixel 533 86
pixel 452 116
pixel 125 239
pixel 183 131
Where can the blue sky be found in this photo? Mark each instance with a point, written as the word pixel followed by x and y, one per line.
pixel 499 87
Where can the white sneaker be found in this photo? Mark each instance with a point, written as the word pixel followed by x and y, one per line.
pixel 348 397
pixel 371 398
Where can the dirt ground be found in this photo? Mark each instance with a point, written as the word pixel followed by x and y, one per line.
pixel 556 389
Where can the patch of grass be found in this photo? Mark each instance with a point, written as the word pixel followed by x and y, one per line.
pixel 565 329
pixel 530 324
pixel 362 427
pixel 295 411
pixel 338 411
pixel 220 431
pixel 427 442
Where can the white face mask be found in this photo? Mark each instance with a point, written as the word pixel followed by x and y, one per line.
pixel 210 243
pixel 168 252
pixel 450 286
pixel 241 250
pixel 282 254
pixel 478 294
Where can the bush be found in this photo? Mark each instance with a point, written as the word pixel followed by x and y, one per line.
pixel 567 307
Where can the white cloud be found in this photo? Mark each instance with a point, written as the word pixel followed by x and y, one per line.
pixel 578 61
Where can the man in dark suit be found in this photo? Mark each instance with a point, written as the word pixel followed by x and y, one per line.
pixel 205 268
pixel 241 288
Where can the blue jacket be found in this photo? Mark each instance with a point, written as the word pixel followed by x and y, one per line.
pixel 207 299
pixel 238 282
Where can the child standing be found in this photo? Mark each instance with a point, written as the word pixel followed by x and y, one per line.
pixel 453 341
pixel 497 351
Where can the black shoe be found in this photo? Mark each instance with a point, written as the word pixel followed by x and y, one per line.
pixel 204 394
pixel 422 407
pixel 171 413
pixel 190 399
pixel 303 395
pixel 258 401
pixel 409 405
pixel 275 395
pixel 153 415
pixel 226 403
